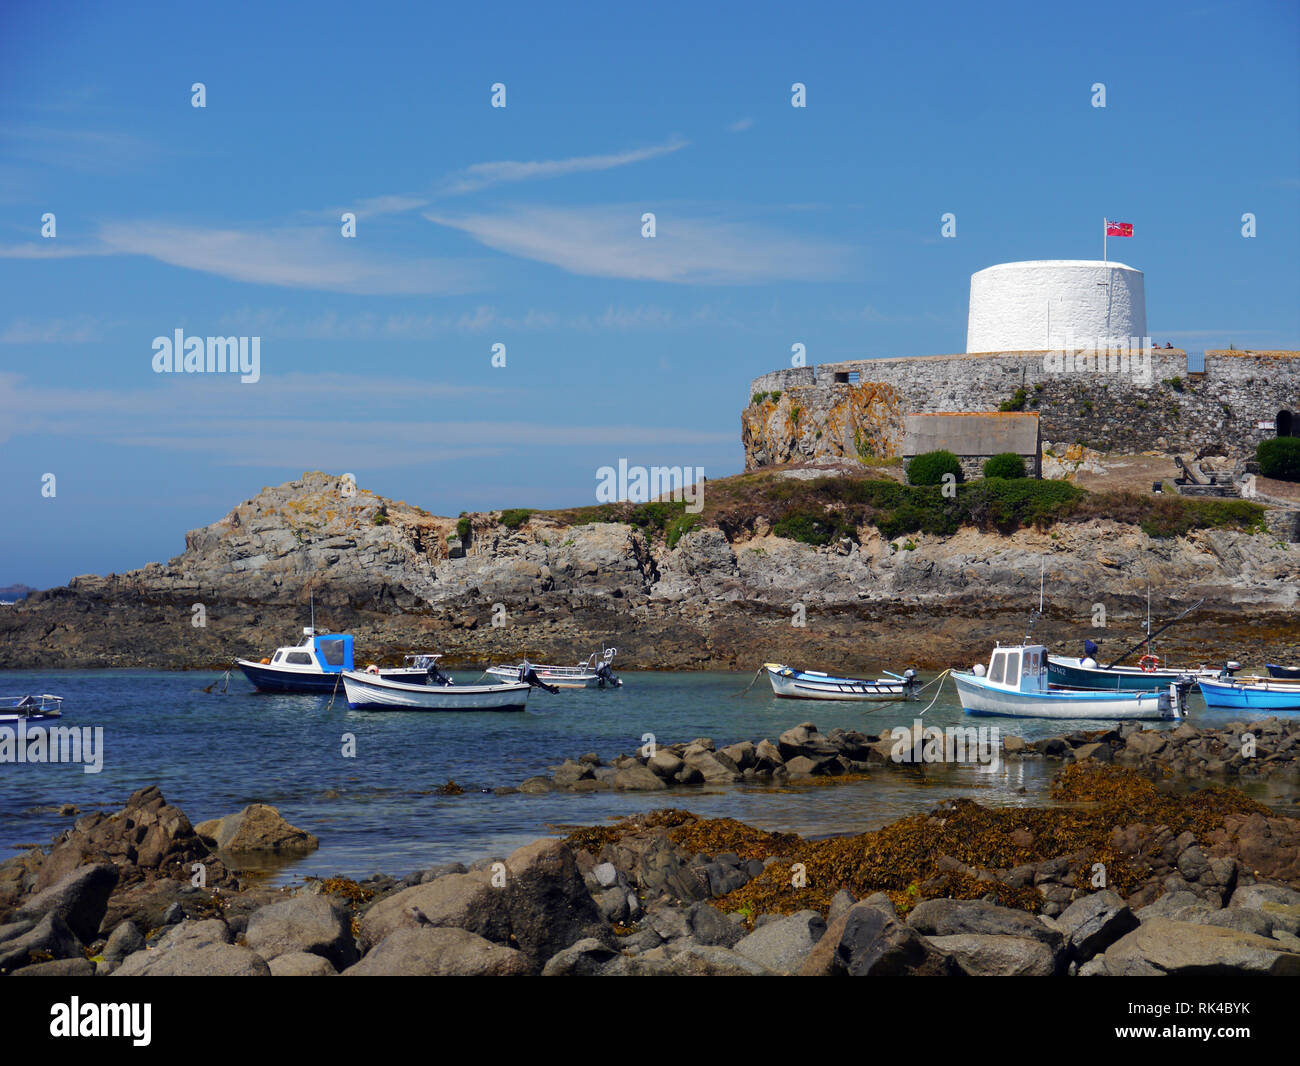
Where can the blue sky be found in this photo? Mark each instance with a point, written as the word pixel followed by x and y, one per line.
pixel 522 226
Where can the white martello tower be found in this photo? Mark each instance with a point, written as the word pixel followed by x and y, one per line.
pixel 1038 305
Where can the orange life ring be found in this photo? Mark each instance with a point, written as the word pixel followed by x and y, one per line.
pixel 1149 664
pixel 372 669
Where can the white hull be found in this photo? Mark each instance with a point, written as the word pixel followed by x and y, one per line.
pixel 979 697
pixel 368 691
pixel 565 680
pixel 810 685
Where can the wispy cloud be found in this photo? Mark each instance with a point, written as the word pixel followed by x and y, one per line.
pixel 483 175
pixel 256 425
pixel 302 258
pixel 741 125
pixel 607 242
pixel 78 330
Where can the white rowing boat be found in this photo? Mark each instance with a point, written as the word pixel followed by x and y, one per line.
pixel 791 683
pixel 592 673
pixel 372 692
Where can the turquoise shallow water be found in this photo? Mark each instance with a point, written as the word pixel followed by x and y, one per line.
pixel 212 754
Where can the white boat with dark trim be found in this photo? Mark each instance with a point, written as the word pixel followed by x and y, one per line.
pixel 30 708
pixel 1015 684
pixel 791 683
pixel 593 673
pixel 436 692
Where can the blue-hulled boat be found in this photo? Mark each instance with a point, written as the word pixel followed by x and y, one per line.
pixel 315 666
pixel 1254 694
pixel 1147 675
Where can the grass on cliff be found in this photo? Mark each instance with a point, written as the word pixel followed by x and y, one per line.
pixel 821 510
pixel 911 860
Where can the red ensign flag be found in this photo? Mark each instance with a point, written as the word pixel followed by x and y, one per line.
pixel 1119 229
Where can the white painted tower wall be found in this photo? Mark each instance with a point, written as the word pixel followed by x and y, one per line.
pixel 1041 305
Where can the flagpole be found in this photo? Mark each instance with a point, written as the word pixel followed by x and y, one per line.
pixel 1104 227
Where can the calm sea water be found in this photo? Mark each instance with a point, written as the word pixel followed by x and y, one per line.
pixel 212 754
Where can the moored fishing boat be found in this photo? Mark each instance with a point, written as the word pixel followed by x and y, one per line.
pixel 315 665
pixel 1251 693
pixel 372 692
pixel 594 672
pixel 1290 673
pixel 30 708
pixel 1148 675
pixel 1015 684
pixel 791 683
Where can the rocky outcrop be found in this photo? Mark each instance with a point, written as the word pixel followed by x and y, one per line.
pixel 722 596
pixel 258 827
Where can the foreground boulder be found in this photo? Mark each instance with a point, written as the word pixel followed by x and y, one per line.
pixel 80 899
pixel 314 925
pixel 1160 947
pixel 22 943
pixel 783 945
pixel 868 940
pixel 436 952
pixel 211 960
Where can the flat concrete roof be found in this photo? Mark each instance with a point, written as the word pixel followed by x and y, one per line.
pixel 971 432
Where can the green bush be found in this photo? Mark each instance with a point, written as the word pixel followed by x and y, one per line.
pixel 678 528
pixel 462 528
pixel 515 517
pixel 758 398
pixel 929 468
pixel 1016 403
pixel 1005 464
pixel 1279 458
pixel 815 529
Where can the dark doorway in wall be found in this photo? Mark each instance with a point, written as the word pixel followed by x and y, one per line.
pixel 1286 424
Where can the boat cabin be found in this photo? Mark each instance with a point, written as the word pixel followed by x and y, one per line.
pixel 329 653
pixel 1018 669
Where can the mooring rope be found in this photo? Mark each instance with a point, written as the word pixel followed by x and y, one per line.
pixel 337 678
pixel 745 690
pixel 937 694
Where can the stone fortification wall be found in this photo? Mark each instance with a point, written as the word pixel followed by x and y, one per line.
pixel 1144 401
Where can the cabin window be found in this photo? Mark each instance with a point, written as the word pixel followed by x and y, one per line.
pixel 331 651
pixel 1013 668
pixel 278 656
pixel 298 658
pixel 999 665
pixel 1033 666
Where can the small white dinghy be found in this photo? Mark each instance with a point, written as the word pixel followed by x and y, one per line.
pixel 593 673
pixel 29 708
pixel 1015 684
pixel 435 692
pixel 790 683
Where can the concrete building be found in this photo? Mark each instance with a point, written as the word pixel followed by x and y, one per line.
pixel 974 437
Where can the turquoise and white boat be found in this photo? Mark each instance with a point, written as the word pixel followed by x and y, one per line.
pixel 1254 694
pixel 1015 684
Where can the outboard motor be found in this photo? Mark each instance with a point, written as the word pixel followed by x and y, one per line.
pixel 605 676
pixel 910 681
pixel 434 676
pixel 1179 690
pixel 530 676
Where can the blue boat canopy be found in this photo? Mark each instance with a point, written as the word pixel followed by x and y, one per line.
pixel 334 652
